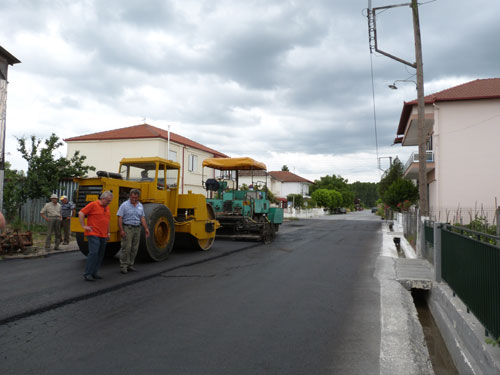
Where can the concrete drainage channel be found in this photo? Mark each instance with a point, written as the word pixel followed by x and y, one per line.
pixel 441 360
pixel 463 335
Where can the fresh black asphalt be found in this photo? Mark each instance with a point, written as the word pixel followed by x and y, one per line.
pixel 306 304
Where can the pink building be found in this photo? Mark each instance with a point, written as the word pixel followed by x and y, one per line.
pixel 463 149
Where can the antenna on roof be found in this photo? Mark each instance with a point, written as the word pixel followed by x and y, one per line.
pixel 144 120
pixel 168 144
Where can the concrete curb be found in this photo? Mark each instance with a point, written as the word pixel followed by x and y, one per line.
pixel 402 343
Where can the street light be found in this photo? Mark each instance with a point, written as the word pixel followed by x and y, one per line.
pixel 394 87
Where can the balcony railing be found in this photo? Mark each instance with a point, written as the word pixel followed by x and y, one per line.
pixel 429 158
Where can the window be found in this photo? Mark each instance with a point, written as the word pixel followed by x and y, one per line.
pixel 172 155
pixel 192 161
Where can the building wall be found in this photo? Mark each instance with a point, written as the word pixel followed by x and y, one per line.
pixel 193 169
pixel 106 156
pixel 466 144
pixel 257 180
pixel 291 188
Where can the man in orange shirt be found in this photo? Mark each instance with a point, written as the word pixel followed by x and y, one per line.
pixel 97 232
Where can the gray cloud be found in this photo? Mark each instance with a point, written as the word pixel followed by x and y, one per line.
pixel 285 76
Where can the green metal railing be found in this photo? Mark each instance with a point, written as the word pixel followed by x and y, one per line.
pixel 429 232
pixel 428 245
pixel 471 267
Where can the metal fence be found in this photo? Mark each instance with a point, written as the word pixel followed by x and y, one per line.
pixel 409 223
pixel 427 247
pixel 30 211
pixel 464 215
pixel 470 264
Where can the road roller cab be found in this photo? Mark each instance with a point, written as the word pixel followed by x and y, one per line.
pixel 181 220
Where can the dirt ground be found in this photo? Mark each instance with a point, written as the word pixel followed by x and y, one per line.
pixel 38 248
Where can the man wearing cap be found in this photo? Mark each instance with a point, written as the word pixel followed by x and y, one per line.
pixel 51 213
pixel 67 210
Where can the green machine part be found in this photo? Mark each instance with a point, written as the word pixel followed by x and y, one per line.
pixel 275 215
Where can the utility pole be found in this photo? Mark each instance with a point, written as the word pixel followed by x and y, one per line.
pixel 418 65
pixel 6 59
pixel 422 136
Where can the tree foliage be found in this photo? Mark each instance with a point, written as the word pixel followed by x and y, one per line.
pixel 329 198
pixel 336 199
pixel 338 184
pixel 13 194
pixel 297 199
pixel 400 191
pixel 285 168
pixel 44 170
pixel 321 197
pixel 366 192
pixel 332 182
pixel 394 173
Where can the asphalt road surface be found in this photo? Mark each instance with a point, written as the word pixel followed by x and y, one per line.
pixel 307 304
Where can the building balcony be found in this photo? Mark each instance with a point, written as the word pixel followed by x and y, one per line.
pixel 411 166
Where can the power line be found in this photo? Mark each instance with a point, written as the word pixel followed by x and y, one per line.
pixel 374 107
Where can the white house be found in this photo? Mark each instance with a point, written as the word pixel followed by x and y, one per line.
pixel 463 149
pixel 104 150
pixel 286 183
pixel 281 183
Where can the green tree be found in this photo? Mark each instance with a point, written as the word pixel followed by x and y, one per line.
pixel 394 173
pixel 347 198
pixel 322 197
pixel 400 190
pixel 335 199
pixel 332 182
pixel 285 168
pixel 44 170
pixel 298 200
pixel 13 194
pixel 269 194
pixel 366 192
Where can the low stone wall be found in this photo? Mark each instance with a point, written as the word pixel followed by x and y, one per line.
pixel 303 214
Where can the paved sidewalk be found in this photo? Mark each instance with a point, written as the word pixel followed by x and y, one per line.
pixel 402 348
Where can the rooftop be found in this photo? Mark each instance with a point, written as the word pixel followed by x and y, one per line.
pixel 11 59
pixel 286 176
pixel 473 90
pixel 143 131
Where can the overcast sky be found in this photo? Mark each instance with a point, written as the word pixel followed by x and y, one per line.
pixel 283 81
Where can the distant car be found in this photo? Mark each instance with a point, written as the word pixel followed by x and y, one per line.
pixel 374 210
pixel 342 210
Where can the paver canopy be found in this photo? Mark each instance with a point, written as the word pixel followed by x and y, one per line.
pixel 240 164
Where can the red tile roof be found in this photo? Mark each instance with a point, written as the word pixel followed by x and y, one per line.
pixel 285 176
pixel 141 132
pixel 473 90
